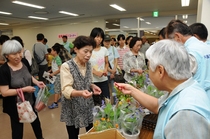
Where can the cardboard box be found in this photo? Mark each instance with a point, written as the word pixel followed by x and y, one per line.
pixel 105 134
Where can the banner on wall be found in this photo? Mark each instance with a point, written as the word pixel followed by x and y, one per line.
pixel 69 35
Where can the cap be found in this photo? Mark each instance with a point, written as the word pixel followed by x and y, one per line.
pixel 107 37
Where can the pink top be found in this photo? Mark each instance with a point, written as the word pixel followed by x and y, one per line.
pixel 122 52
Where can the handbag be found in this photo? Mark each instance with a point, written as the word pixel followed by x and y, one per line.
pixel 25 111
pixel 119 78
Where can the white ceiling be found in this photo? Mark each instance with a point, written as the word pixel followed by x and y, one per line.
pixel 88 9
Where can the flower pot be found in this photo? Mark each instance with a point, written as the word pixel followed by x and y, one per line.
pixel 40 106
pixel 135 136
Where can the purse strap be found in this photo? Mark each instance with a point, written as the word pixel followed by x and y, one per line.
pixel 20 94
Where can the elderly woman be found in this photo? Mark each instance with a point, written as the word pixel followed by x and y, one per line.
pixel 77 88
pixel 14 74
pixel 186 105
pixel 133 61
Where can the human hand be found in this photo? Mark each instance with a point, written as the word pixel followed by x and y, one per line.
pixel 113 71
pixel 140 71
pixel 112 76
pixel 96 90
pixel 29 89
pixel 99 73
pixel 86 94
pixel 124 88
pixel 105 73
pixel 40 84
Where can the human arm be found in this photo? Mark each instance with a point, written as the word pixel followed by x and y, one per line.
pixel 28 56
pixel 67 82
pixel 96 89
pixel 38 83
pixel 97 73
pixel 106 66
pixel 150 102
pixel 56 72
pixel 178 127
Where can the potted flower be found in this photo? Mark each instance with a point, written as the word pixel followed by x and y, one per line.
pixel 132 124
pixel 42 99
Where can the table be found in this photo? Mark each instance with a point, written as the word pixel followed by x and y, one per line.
pixel 146 134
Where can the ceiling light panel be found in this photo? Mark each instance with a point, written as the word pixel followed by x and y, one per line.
pixel 68 13
pixel 35 17
pixel 116 24
pixel 117 7
pixel 28 4
pixel 1 12
pixel 4 24
pixel 185 3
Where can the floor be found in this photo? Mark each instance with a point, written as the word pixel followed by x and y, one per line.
pixel 50 121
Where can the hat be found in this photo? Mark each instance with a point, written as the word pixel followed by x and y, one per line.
pixel 107 37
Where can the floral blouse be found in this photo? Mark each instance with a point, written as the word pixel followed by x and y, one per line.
pixel 131 61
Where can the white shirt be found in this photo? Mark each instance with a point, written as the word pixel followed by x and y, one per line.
pixel 97 61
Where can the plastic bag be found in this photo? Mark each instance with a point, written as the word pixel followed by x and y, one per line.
pixel 25 111
pixel 42 99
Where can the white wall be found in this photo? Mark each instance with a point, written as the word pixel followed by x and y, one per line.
pixel 28 34
pixel 203 14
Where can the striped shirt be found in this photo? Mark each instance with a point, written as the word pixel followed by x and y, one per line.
pixel 122 52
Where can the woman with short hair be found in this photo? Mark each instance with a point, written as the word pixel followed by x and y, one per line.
pixel 77 88
pixel 14 75
pixel 133 61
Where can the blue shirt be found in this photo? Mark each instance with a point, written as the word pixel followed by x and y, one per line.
pixel 184 113
pixel 113 53
pixel 208 42
pixel 201 52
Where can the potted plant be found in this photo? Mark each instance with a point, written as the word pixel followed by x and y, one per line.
pixel 42 99
pixel 126 115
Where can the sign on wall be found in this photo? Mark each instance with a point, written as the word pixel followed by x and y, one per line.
pixel 69 35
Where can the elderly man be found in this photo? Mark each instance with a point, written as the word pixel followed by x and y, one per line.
pixel 199 52
pixel 186 106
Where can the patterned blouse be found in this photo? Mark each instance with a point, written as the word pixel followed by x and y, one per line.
pixel 130 61
pixel 77 111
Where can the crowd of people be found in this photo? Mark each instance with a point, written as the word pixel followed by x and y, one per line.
pixel 86 69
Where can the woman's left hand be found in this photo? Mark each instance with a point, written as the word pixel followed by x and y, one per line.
pixel 96 90
pixel 41 84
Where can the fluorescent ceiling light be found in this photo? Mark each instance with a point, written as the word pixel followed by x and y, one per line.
pixel 1 12
pixel 185 3
pixel 116 24
pixel 4 24
pixel 148 23
pixel 28 4
pixel 117 7
pixel 35 17
pixel 125 27
pixel 185 21
pixel 185 16
pixel 141 19
pixel 72 14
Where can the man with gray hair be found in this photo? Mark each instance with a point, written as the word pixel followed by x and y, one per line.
pixel 199 52
pixel 186 105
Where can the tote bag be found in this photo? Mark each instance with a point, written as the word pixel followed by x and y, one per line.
pixel 25 111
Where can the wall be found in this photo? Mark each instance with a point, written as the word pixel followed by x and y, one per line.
pixel 28 34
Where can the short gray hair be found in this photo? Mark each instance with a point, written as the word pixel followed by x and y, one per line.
pixel 11 46
pixel 172 56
